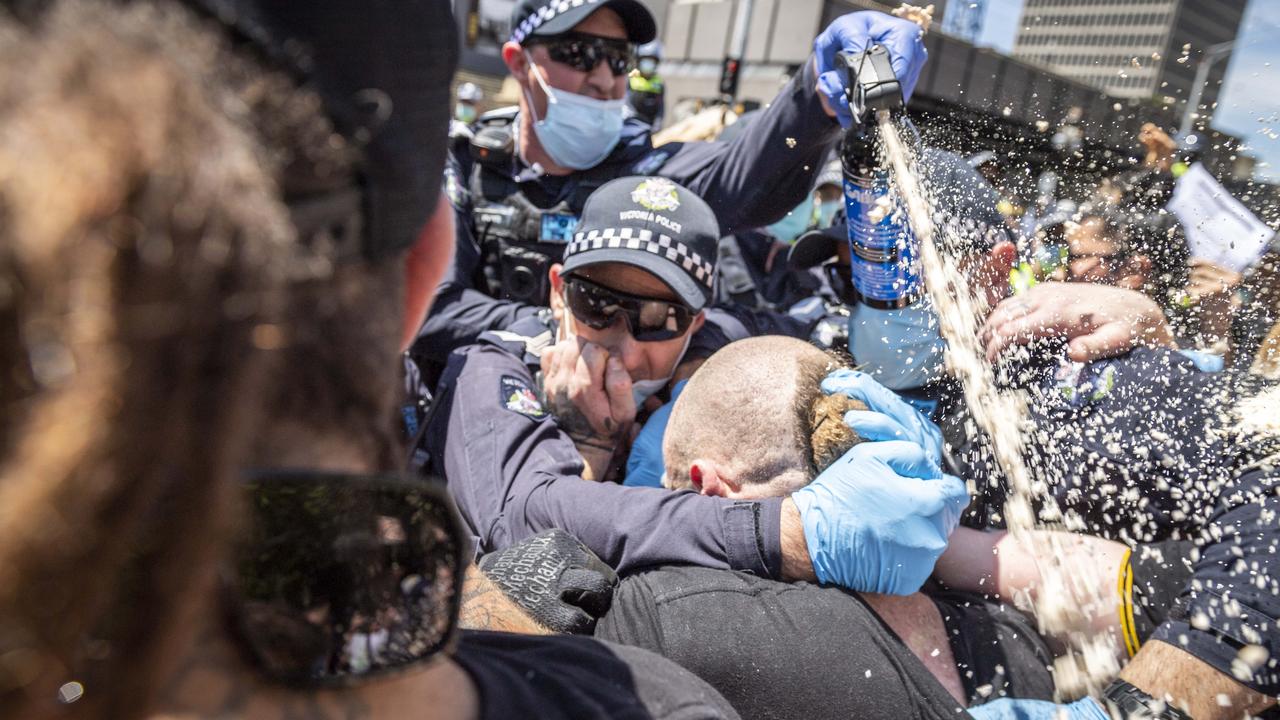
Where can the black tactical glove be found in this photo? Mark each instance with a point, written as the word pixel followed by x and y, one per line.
pixel 556 579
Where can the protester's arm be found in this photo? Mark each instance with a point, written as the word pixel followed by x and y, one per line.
pixel 486 607
pixel 1211 289
pixel 767 169
pixel 999 564
pixel 1164 671
pixel 1099 321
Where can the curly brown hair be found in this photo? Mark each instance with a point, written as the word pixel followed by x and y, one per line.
pixel 144 247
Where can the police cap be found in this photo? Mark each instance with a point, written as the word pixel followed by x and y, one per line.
pixel 653 224
pixel 552 17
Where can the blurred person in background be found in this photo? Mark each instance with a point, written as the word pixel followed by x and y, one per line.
pixel 1097 249
pixel 466 109
pixel 204 293
pixel 646 93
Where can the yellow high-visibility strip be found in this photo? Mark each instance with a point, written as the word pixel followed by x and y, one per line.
pixel 1125 589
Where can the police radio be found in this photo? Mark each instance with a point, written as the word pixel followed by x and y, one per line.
pixel 519 240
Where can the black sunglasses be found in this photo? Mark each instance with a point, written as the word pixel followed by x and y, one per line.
pixel 583 52
pixel 340 578
pixel 647 319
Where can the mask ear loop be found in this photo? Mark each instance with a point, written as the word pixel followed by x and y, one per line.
pixel 537 74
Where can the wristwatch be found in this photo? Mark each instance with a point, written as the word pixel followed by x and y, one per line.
pixel 1134 703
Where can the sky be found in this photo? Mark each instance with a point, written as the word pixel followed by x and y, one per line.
pixel 1249 105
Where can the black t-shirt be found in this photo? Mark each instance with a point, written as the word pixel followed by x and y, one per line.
pixel 579 678
pixel 796 650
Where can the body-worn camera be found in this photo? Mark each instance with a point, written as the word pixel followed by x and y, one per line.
pixel 522 274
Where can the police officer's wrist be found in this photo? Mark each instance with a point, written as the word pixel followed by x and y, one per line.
pixel 594 442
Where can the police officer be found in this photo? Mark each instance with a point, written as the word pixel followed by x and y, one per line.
pixel 646 93
pixel 467 108
pixel 519 187
pixel 526 413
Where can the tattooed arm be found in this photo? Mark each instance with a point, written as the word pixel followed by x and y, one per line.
pixel 486 607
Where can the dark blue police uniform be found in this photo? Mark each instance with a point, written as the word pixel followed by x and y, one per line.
pixel 514 472
pixel 504 208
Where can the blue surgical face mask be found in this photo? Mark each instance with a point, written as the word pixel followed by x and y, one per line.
pixel 578 132
pixel 900 348
pixel 462 112
pixel 827 212
pixel 647 66
pixel 795 223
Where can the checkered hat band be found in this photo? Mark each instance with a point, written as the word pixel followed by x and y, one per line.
pixel 633 239
pixel 545 14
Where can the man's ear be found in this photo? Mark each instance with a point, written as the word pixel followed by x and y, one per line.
pixel 557 291
pixel 516 61
pixel 709 478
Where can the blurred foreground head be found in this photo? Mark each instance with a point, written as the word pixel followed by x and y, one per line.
pixel 173 244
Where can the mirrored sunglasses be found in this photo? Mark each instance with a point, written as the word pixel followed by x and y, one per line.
pixel 648 319
pixel 583 52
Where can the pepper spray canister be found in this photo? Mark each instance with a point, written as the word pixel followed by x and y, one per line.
pixel 883 251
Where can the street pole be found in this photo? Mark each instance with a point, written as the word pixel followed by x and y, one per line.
pixel 1211 55
pixel 731 71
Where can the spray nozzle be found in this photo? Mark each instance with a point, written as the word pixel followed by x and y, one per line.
pixel 871 83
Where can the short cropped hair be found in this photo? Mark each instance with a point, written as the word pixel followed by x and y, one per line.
pixel 757 408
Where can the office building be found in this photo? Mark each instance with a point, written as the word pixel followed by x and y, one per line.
pixel 1135 49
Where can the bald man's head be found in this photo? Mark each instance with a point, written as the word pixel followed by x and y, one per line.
pixel 753 421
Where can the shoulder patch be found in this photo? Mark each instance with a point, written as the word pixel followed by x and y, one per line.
pixel 515 395
pixel 651 163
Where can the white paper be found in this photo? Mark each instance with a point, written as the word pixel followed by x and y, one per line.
pixel 1217 226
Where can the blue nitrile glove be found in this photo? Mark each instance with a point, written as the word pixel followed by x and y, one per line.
pixel 890 417
pixel 1011 709
pixel 645 464
pixel 854 33
pixel 877 519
